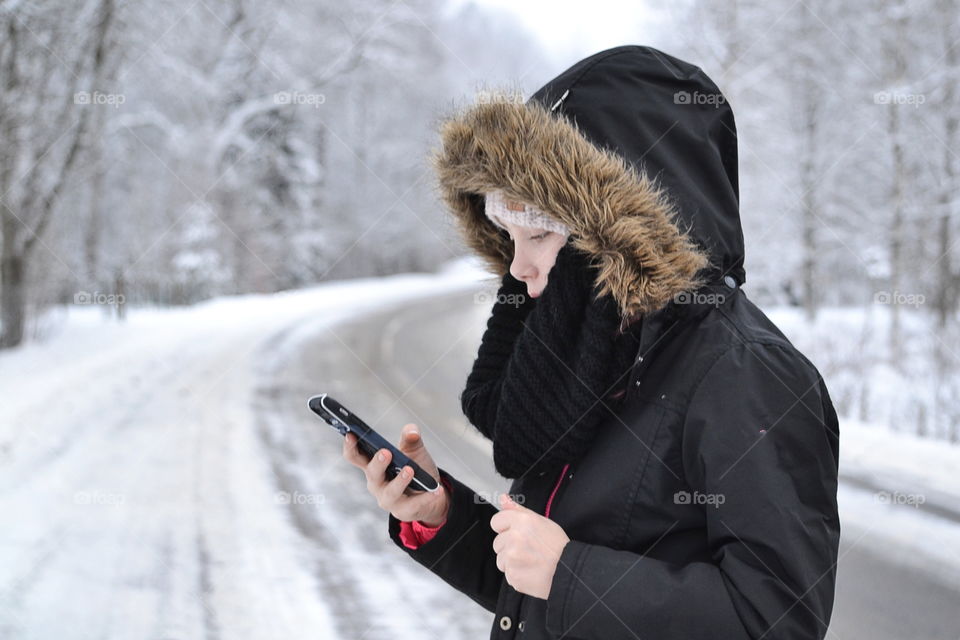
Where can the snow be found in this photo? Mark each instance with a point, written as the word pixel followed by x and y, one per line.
pixel 470 266
pixel 901 533
pixel 899 459
pixel 911 473
pixel 140 500
pixel 893 481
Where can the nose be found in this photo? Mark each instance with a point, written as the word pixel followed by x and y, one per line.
pixel 523 269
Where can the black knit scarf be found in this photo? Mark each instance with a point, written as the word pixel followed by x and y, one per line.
pixel 548 369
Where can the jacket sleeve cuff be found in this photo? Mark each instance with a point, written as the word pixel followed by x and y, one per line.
pixel 461 551
pixel 415 533
pixel 564 585
pixel 459 519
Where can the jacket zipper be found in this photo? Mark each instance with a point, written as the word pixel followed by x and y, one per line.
pixel 560 101
pixel 546 512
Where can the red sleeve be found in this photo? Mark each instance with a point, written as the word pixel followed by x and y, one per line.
pixel 415 533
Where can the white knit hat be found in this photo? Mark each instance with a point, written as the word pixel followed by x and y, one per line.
pixel 498 208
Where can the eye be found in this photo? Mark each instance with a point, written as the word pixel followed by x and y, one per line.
pixel 540 236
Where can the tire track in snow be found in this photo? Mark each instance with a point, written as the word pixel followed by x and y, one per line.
pixel 347 360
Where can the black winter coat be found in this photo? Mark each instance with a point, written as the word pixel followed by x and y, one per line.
pixel 706 505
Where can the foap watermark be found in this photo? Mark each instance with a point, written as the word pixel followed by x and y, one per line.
pixel 699 97
pixel 98 98
pixel 898 97
pixel 285 497
pixel 85 297
pixel 493 497
pixel 99 498
pixel 699 297
pixel 713 499
pixel 899 298
pixel 296 97
pixel 510 97
pixel 896 497
pixel 489 297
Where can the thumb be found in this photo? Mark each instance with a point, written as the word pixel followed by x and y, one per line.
pixel 410 440
pixel 507 502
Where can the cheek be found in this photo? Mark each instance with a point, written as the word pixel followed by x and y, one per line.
pixel 549 254
pixel 542 255
pixel 545 262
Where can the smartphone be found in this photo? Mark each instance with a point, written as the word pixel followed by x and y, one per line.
pixel 369 441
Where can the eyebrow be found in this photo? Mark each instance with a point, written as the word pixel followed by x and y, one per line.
pixel 542 232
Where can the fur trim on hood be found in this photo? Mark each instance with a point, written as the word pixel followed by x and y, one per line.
pixel 615 213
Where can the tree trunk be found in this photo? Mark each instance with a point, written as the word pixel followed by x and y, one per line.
pixel 35 208
pixel 120 295
pixel 811 97
pixel 947 288
pixel 896 232
pixel 92 230
pixel 895 79
pixel 12 289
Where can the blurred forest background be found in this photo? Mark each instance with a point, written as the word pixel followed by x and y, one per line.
pixel 166 152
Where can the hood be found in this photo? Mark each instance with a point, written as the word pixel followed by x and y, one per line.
pixel 634 150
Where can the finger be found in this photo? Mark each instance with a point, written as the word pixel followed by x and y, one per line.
pixel 410 439
pixel 499 542
pixel 392 491
pixel 352 453
pixel 411 444
pixel 349 449
pixel 507 502
pixel 376 470
pixel 500 521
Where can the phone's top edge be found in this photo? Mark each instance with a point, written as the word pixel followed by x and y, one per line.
pixel 316 398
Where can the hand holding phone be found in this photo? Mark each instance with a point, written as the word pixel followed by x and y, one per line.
pixel 369 441
pixel 395 495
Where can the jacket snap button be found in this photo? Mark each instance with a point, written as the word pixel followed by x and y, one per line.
pixel 637 384
pixel 730 281
pixel 505 622
pixel 522 624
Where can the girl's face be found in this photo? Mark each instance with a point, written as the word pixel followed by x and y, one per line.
pixel 534 252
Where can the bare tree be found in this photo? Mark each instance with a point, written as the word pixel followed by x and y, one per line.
pixel 51 54
pixel 895 75
pixel 948 280
pixel 258 146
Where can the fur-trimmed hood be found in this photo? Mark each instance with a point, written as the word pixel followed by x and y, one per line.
pixel 581 148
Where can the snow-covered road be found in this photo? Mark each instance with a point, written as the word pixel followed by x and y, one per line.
pixel 163 479
pixel 143 498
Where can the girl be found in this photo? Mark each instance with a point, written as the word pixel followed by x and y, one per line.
pixel 676 454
